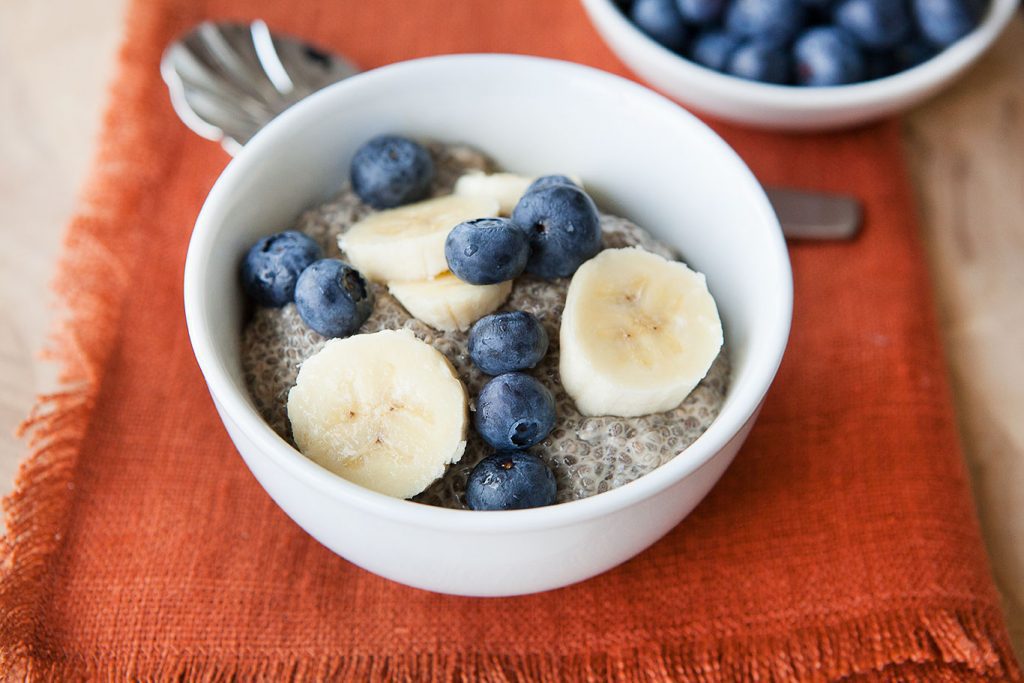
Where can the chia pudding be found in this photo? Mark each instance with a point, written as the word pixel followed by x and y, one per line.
pixel 588 455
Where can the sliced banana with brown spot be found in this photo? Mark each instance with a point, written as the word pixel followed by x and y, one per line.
pixel 386 411
pixel 407 243
pixel 447 303
pixel 638 333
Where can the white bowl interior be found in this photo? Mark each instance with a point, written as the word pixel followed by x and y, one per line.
pixel 638 154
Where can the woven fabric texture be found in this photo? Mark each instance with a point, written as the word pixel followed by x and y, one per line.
pixel 842 543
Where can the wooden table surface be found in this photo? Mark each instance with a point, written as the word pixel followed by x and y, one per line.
pixel 966 150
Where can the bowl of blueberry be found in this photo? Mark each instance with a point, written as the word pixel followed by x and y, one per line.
pixel 799 64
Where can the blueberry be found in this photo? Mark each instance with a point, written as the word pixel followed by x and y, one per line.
pixel 827 55
pixel 510 480
pixel 514 411
pixel 550 180
pixel 817 12
pixel 390 170
pixel 760 61
pixel 563 227
pixel 910 54
pixel 272 266
pixel 875 24
pixel 943 22
pixel 878 64
pixel 505 342
pixel 486 251
pixel 714 48
pixel 660 20
pixel 332 298
pixel 700 11
pixel 766 21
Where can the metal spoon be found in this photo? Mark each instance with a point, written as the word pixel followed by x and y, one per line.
pixel 228 80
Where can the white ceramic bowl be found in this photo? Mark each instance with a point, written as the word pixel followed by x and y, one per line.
pixel 789 107
pixel 641 156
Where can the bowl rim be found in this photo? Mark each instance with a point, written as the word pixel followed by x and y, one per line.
pixel 918 79
pixel 765 356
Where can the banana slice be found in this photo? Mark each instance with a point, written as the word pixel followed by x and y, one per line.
pixel 638 333
pixel 447 303
pixel 407 243
pixel 507 188
pixel 385 411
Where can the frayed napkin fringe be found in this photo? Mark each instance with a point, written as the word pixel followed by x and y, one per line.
pixel 90 287
pixel 959 645
pixel 945 645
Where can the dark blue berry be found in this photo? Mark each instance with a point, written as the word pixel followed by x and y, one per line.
pixel 827 55
pixel 765 21
pixel 714 48
pixel 506 342
pixel 878 64
pixel 660 20
pixel 700 11
pixel 514 411
pixel 875 24
pixel 563 227
pixel 510 480
pixel 760 61
pixel 390 170
pixel 272 267
pixel 550 180
pixel 818 12
pixel 486 251
pixel 332 298
pixel 909 54
pixel 943 22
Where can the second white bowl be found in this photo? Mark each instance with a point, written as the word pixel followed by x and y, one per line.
pixel 789 107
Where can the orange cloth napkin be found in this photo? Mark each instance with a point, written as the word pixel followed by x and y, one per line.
pixel 841 543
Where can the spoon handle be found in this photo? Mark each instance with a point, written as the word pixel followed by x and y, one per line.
pixel 815 215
